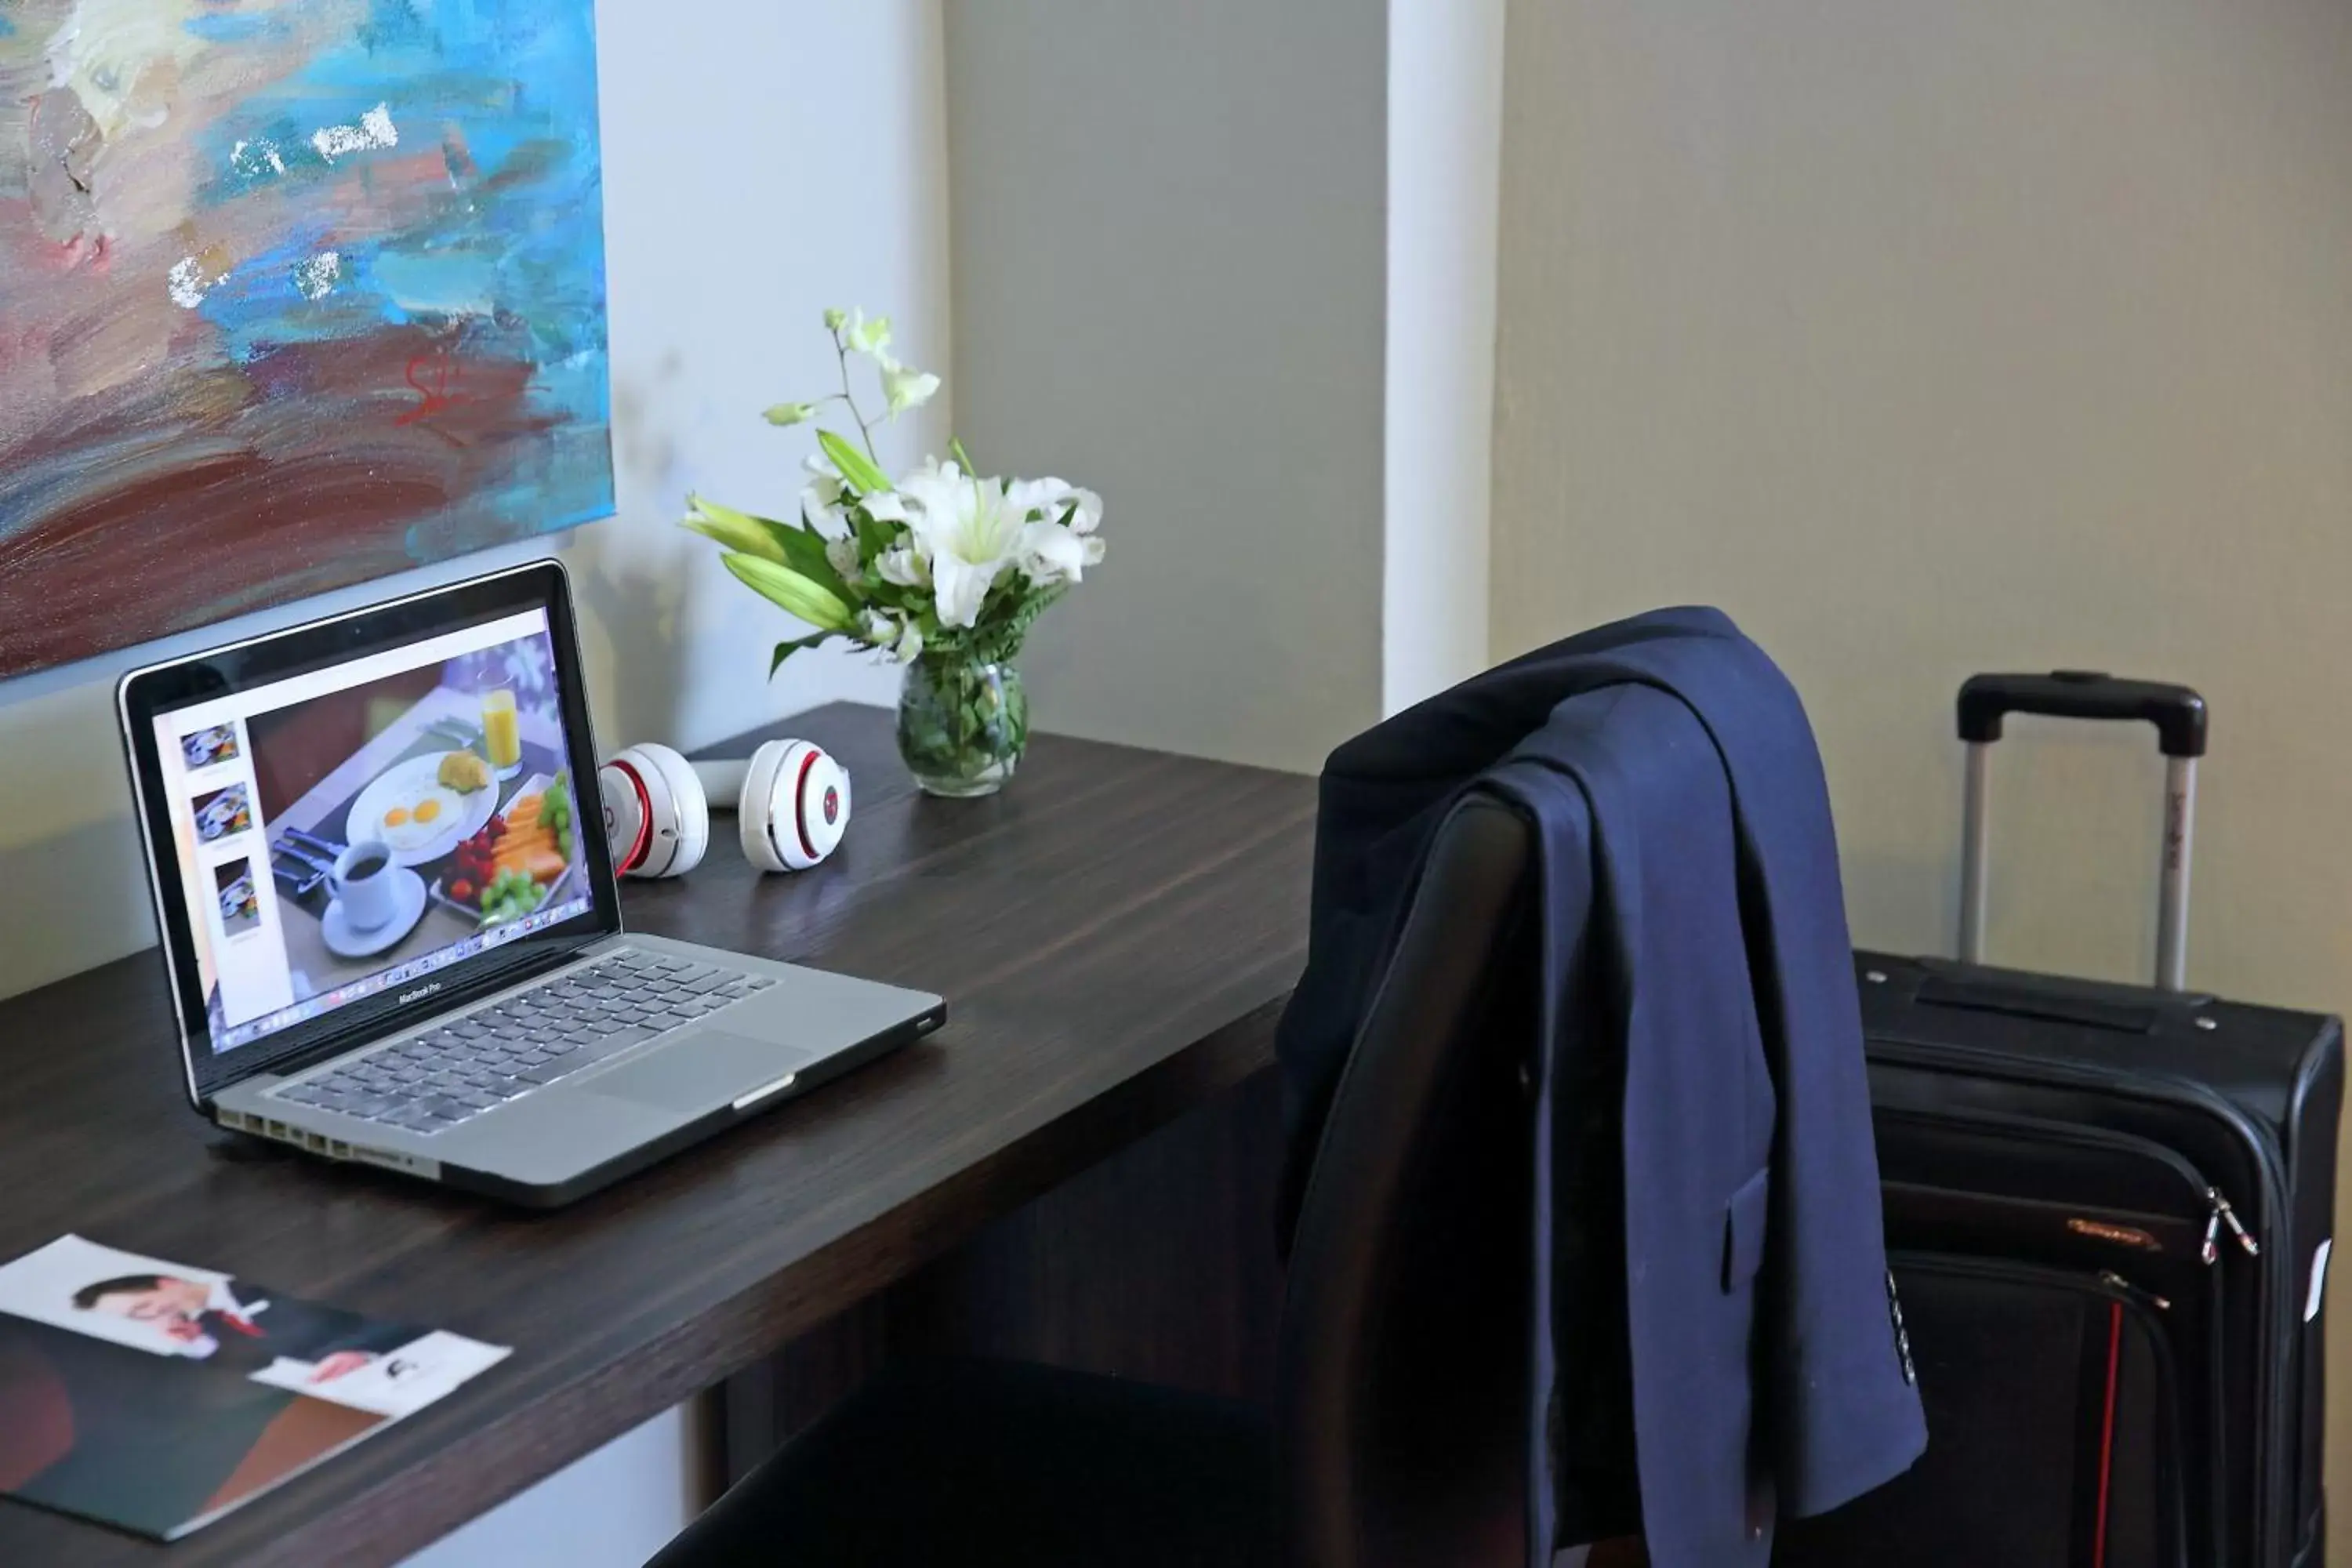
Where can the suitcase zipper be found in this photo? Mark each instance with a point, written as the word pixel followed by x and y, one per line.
pixel 2272 1439
pixel 2116 1282
pixel 2224 1214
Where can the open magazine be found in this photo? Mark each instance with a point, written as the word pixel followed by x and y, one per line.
pixel 156 1396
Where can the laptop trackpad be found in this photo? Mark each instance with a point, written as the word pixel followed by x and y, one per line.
pixel 700 1071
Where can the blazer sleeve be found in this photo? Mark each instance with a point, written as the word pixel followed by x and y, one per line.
pixel 1839 1398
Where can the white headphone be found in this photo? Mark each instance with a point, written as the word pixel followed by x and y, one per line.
pixel 790 799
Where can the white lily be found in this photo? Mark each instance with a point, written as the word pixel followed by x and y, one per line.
pixel 1050 497
pixel 969 533
pixel 884 506
pixel 1052 553
pixel 1090 511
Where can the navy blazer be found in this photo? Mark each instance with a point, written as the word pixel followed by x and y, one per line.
pixel 1697 970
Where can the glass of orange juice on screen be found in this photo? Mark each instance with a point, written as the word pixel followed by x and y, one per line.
pixel 502 731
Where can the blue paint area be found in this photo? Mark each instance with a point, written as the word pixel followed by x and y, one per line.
pixel 7 28
pixel 230 27
pixel 479 234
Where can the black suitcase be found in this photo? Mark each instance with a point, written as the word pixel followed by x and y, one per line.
pixel 2109 1213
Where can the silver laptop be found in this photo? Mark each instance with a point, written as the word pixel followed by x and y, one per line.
pixel 395 936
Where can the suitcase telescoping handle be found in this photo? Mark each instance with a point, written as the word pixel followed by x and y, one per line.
pixel 2178 715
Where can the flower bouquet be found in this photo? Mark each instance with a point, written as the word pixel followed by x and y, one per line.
pixel 942 569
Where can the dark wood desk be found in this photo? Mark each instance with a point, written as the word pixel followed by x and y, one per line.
pixel 1115 935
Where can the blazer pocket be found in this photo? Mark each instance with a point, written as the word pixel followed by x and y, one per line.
pixel 1743 1229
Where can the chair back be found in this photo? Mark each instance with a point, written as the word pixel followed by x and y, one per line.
pixel 1403 1382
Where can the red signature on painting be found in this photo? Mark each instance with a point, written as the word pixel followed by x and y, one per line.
pixel 435 379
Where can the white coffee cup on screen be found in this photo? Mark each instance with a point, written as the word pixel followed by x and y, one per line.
pixel 361 882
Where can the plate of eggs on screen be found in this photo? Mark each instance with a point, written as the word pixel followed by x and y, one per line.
pixel 423 808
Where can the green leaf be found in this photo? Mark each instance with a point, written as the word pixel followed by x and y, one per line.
pixel 856 468
pixel 785 650
pixel 874 537
pixel 812 602
pixel 739 530
pixel 1002 641
pixel 805 553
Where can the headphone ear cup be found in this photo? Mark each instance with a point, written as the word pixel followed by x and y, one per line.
pixel 655 817
pixel 795 807
pixel 822 803
pixel 764 797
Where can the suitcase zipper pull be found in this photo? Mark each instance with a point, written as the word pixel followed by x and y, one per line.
pixel 2229 1216
pixel 2114 1281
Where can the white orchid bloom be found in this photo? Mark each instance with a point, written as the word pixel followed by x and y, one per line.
pixel 868 337
pixel 905 387
pixel 791 414
pixel 910 644
pixel 821 498
pixel 884 506
pixel 878 628
pixel 968 532
pixel 842 555
pixel 904 568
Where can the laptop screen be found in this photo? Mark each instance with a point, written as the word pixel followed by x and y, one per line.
pixel 344 831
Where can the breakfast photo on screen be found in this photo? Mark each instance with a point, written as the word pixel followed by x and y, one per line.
pixel 214 744
pixel 222 812
pixel 411 812
pixel 240 905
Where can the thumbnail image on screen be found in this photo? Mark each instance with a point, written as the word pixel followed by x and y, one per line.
pixel 238 902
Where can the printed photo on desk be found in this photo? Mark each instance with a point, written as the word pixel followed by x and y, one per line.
pixel 156 1396
pixel 374 830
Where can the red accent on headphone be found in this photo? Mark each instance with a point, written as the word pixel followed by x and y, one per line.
pixel 800 817
pixel 637 851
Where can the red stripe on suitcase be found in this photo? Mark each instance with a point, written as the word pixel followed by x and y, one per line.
pixel 2108 1432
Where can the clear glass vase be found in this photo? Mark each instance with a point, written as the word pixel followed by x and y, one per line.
pixel 962 724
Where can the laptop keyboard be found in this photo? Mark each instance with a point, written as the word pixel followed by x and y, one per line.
pixel 456 1071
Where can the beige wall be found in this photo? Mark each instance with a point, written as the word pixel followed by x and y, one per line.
pixel 1167 281
pixel 1928 338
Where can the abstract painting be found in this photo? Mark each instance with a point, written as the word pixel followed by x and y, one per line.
pixel 293 293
